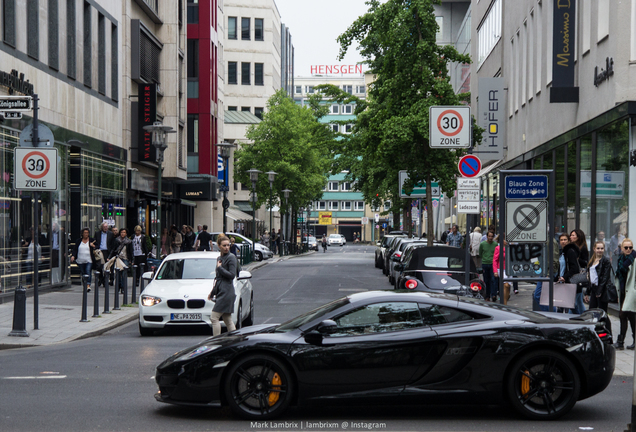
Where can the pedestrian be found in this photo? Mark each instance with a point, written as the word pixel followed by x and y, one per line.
pixel 490 228
pixel 166 242
pixel 600 236
pixel 324 243
pixel 122 250
pixel 175 239
pixel 204 240
pixel 115 231
pixel 615 246
pixel 188 239
pixel 233 247
pixel 626 274
pixel 445 235
pixel 578 238
pixel 599 272
pixel 29 264
pixel 475 241
pixel 265 239
pixel 223 294
pixel 84 255
pixel 104 240
pixel 495 268
pixel 487 253
pixel 454 238
pixel 274 241
pixel 139 252
pixel 571 253
pixel 279 240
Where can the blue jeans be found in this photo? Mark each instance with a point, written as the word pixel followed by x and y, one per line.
pixel 579 305
pixel 489 278
pixel 537 296
pixel 85 269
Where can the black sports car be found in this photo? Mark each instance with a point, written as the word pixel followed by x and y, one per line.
pixel 412 347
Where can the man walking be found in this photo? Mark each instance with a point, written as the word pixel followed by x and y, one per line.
pixel 487 252
pixel 104 239
pixel 204 240
pixel 454 238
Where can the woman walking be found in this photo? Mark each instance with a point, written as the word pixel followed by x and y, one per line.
pixel 626 274
pixel 139 252
pixel 84 255
pixel 577 237
pixel 223 294
pixel 166 242
pixel 599 271
pixel 188 239
pixel 122 249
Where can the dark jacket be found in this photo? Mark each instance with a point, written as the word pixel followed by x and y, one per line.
pixel 584 256
pixel 110 238
pixel 604 272
pixel 75 251
pixel 188 242
pixel 224 284
pixel 571 253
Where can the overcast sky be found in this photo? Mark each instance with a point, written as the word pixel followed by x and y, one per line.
pixel 314 27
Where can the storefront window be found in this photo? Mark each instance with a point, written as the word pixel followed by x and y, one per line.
pixel 585 209
pixel 612 186
pixel 560 176
pixel 571 185
pixel 103 197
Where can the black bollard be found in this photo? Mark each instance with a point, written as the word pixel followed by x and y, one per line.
pixel 141 279
pixel 124 274
pixel 95 298
pixel 106 291
pixel 116 289
pixel 19 313
pixel 133 297
pixel 84 299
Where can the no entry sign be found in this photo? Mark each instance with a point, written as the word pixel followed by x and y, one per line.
pixel 469 166
pixel 35 169
pixel 449 127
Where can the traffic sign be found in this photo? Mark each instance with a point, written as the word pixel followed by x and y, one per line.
pixel 377 217
pixel 449 127
pixel 16 103
pixel 469 183
pixel 526 187
pixel 419 190
pixel 45 136
pixel 468 195
pixel 35 169
pixel 11 115
pixel 527 222
pixel 468 207
pixel 469 166
pixel 365 220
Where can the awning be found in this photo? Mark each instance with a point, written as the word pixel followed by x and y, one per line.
pixel 239 216
pixel 451 219
pixel 242 205
pixel 188 203
pixel 621 218
pixel 489 168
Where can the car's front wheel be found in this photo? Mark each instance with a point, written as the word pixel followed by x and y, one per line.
pixel 543 385
pixel 259 387
pixel 258 256
pixel 145 331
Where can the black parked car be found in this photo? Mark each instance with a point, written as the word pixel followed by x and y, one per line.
pixel 407 347
pixel 380 250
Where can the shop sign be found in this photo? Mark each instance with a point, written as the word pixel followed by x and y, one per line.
pixel 563 43
pixel 324 218
pixel 609 184
pixel 491 117
pixel 336 69
pixel 15 82
pixel 147 115
pixel 198 191
pixel 604 74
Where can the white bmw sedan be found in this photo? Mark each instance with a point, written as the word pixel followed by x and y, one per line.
pixel 178 292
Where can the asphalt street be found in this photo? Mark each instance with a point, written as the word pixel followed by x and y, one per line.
pixel 106 383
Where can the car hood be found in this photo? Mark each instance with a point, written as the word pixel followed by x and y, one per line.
pixel 177 288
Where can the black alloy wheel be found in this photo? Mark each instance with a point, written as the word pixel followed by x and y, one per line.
pixel 258 387
pixel 543 385
pixel 239 316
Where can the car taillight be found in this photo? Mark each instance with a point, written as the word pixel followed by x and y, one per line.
pixel 602 335
pixel 475 286
pixel 410 284
pixel 397 254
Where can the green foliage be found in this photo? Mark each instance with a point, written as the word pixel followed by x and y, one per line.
pixel 398 41
pixel 291 142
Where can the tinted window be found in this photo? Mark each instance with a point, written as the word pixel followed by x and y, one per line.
pixel 245 28
pixel 231 28
pixel 444 262
pixel 312 315
pixel 436 315
pixel 202 268
pixel 258 29
pixel 379 318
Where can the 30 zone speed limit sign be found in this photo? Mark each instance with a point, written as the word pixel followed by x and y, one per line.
pixel 449 127
pixel 35 169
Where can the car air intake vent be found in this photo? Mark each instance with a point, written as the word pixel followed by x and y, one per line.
pixel 196 304
pixel 176 304
pixel 153 318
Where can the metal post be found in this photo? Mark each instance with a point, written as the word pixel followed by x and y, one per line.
pixel 124 274
pixel 19 313
pixel 552 220
pixel 502 217
pixel 116 289
pixel 95 299
pixel 84 299
pixel 271 185
pixel 159 169
pixel 133 295
pixel 141 279
pixel 36 226
pixel 467 251
pixel 106 291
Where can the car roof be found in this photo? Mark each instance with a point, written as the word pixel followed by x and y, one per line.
pixel 193 255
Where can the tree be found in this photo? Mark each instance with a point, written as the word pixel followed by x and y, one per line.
pixel 291 142
pixel 398 41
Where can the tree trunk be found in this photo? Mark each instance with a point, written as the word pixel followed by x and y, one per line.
pixel 408 220
pixel 430 234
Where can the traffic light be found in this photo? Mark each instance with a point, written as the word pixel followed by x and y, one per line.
pixel 632 158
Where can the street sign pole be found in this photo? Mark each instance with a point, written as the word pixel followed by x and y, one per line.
pixel 36 225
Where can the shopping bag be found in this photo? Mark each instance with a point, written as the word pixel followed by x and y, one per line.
pixel 564 295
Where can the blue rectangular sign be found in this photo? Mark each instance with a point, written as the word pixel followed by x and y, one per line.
pixel 527 187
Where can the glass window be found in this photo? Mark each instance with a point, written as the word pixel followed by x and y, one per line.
pixel 489 32
pixel 571 180
pixel 231 28
pixel 309 89
pixel 193 58
pixel 347 128
pixel 232 75
pixel 258 29
pixel 245 73
pixel 361 89
pixel 333 186
pixel 348 109
pixel 346 205
pixel 346 186
pixel 258 112
pixel 245 28
pixel 433 315
pixel 359 205
pixel 321 205
pixel 347 88
pixel 335 109
pixel 246 109
pixel 193 133
pixel 560 175
pixel 258 74
pixel 193 11
pixel 232 108
pixel 333 205
pixel 585 210
pixel 439 36
pixel 379 318
pixel 334 127
pixel 387 205
pixel 299 89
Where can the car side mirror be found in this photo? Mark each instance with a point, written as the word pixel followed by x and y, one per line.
pixel 244 274
pixel 327 327
pixel 147 275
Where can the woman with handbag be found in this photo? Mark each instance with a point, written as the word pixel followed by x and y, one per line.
pixel 84 255
pixel 577 237
pixel 599 272
pixel 626 275
pixel 223 294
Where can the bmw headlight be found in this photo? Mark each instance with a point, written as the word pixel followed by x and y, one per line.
pixel 197 352
pixel 148 300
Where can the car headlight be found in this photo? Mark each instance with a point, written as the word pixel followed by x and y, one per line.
pixel 148 300
pixel 197 352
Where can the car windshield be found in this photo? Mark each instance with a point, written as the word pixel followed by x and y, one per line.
pixel 311 315
pixel 311 239
pixel 444 262
pixel 191 268
pixel 336 236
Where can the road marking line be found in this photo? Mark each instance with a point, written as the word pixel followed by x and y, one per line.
pixel 34 377
pixel 353 289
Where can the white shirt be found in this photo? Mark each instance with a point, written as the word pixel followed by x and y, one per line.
pixel 594 275
pixel 83 253
pixel 137 245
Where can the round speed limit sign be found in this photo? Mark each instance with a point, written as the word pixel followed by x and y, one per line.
pixel 449 127
pixel 35 169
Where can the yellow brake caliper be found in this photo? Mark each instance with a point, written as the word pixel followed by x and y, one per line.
pixel 275 394
pixel 525 383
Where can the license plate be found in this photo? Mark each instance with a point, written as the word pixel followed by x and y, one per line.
pixel 185 317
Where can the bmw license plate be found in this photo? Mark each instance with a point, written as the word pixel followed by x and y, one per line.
pixel 185 317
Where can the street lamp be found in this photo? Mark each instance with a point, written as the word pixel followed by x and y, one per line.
pixel 254 178
pixel 159 132
pixel 286 193
pixel 270 177
pixel 225 149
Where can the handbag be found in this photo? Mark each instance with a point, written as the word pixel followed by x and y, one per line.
pixel 99 256
pixel 610 295
pixel 564 295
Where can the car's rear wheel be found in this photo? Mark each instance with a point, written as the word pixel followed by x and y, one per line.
pixel 250 318
pixel 258 256
pixel 259 387
pixel 239 317
pixel 543 385
pixel 145 331
pixel 377 262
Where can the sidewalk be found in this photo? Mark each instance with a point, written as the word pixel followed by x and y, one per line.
pixel 60 312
